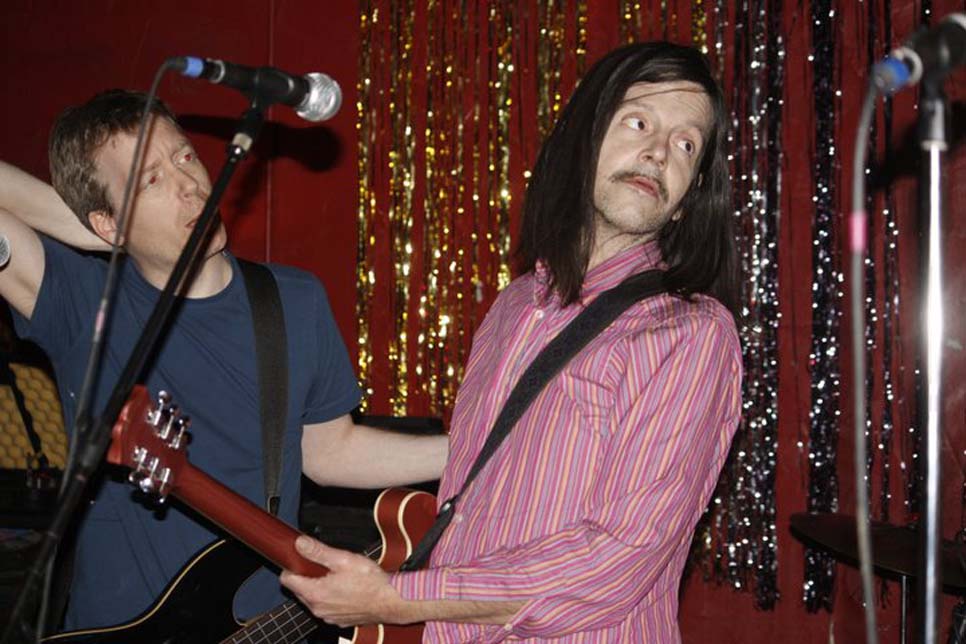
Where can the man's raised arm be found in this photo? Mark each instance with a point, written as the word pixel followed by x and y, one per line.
pixel 36 204
pixel 28 204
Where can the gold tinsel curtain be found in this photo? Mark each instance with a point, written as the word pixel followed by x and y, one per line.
pixel 454 99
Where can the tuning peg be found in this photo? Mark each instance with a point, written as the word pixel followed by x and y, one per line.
pixel 183 425
pixel 170 419
pixel 135 477
pixel 161 409
pixel 146 482
pixel 164 484
pixel 137 458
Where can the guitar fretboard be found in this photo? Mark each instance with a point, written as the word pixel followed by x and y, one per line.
pixel 285 624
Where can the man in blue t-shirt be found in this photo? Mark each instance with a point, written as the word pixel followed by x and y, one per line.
pixel 127 552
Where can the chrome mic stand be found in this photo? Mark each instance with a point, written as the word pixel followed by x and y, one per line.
pixel 933 142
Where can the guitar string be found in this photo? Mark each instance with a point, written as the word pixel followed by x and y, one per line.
pixel 293 614
pixel 274 618
pixel 282 627
pixel 257 626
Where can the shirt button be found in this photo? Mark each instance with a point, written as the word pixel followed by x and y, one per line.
pixel 458 518
pixel 539 314
pixel 508 627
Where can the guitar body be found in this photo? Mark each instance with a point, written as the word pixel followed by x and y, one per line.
pixel 195 608
pixel 403 517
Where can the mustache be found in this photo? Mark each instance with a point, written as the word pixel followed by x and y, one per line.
pixel 630 175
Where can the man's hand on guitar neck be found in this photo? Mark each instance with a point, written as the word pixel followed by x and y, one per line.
pixel 356 591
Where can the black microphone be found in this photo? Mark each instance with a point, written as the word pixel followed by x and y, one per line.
pixel 315 96
pixel 929 52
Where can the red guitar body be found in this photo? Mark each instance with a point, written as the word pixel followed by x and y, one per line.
pixel 403 517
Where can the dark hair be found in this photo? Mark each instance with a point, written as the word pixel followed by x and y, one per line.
pixel 558 213
pixel 77 136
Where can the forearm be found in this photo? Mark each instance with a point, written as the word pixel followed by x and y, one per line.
pixel 367 457
pixel 380 458
pixel 470 612
pixel 36 204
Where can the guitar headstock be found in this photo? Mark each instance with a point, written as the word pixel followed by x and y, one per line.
pixel 149 438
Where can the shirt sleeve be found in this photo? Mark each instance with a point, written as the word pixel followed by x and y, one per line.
pixel 334 390
pixel 66 302
pixel 658 470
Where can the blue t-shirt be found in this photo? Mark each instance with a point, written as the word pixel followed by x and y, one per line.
pixel 127 550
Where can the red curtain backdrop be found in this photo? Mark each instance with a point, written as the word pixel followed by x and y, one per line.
pixel 296 201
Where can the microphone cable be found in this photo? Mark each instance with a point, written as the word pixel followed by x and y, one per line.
pixel 858 245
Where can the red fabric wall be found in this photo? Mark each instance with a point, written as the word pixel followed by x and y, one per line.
pixel 296 207
pixel 295 202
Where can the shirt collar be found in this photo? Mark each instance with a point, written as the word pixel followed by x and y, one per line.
pixel 607 274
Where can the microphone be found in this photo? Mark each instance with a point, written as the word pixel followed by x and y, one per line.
pixel 929 52
pixel 315 96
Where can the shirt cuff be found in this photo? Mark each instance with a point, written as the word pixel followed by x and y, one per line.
pixel 531 611
pixel 431 584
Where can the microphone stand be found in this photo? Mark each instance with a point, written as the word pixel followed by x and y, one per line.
pixel 98 437
pixel 933 142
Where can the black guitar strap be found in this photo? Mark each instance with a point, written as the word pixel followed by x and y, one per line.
pixel 582 329
pixel 271 355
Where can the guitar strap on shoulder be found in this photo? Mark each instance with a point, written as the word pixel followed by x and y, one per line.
pixel 582 329
pixel 271 356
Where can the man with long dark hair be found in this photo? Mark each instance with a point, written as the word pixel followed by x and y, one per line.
pixel 578 527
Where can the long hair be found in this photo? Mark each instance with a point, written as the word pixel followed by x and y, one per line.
pixel 78 134
pixel 558 213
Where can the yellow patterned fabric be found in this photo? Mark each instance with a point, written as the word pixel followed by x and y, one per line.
pixel 40 397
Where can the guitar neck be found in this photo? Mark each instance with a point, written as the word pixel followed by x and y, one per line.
pixel 147 438
pixel 250 524
pixel 286 624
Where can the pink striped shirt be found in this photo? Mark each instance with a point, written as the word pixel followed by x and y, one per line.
pixel 587 509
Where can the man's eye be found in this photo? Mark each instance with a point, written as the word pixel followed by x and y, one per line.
pixel 188 157
pixel 688 146
pixel 635 123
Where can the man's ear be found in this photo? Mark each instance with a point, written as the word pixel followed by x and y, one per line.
pixel 104 225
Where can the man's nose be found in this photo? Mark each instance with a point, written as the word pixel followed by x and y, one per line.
pixel 189 180
pixel 655 149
